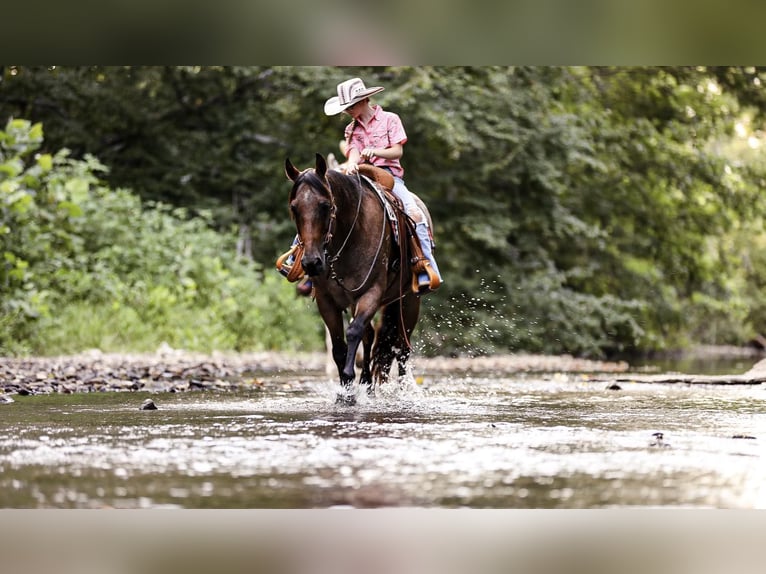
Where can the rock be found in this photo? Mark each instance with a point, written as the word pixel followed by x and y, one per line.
pixel 758 369
pixel 6 400
pixel 659 440
pixel 196 384
pixel 180 371
pixel 148 405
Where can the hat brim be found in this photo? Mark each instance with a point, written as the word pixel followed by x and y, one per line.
pixel 333 106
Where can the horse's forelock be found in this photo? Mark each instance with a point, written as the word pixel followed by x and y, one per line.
pixel 309 177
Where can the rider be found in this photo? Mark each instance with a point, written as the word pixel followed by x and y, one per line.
pixel 377 137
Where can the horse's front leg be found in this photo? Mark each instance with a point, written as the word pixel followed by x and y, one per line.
pixel 354 335
pixel 333 320
pixel 364 311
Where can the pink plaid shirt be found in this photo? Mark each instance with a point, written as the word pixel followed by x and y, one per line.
pixel 384 130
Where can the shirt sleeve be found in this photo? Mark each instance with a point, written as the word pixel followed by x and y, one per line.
pixel 396 133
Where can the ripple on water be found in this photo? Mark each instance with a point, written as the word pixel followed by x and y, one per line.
pixel 448 441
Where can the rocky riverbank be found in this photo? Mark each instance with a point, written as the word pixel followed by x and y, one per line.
pixel 171 370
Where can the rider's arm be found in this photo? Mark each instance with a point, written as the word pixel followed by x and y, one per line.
pixel 394 152
pixel 354 158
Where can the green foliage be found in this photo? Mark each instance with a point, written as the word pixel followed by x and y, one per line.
pixel 87 266
pixel 598 201
pixel 584 210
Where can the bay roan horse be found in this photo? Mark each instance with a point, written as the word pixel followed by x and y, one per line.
pixel 355 264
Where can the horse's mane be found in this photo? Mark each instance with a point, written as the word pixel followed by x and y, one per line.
pixel 349 186
pixel 339 183
pixel 346 183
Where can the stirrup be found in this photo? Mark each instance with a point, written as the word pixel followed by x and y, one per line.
pixel 292 271
pixel 422 287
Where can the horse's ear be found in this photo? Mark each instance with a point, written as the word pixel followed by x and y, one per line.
pixel 291 171
pixel 321 166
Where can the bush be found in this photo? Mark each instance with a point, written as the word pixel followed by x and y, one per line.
pixel 87 266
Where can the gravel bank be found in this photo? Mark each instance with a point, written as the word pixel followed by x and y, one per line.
pixel 176 371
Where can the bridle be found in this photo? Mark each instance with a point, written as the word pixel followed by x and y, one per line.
pixel 331 227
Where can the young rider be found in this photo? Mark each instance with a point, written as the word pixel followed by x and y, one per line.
pixel 377 137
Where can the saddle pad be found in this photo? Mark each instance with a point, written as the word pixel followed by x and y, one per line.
pixel 384 200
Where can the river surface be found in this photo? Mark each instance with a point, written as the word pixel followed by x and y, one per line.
pixel 558 441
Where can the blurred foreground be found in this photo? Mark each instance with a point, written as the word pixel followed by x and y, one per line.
pixel 382 542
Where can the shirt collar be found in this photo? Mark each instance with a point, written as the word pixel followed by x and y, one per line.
pixel 374 117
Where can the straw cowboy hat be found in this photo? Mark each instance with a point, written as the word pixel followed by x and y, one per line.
pixel 349 92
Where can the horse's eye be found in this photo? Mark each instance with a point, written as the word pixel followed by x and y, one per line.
pixel 325 206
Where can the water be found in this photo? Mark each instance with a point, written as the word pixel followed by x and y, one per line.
pixel 481 442
pixel 699 363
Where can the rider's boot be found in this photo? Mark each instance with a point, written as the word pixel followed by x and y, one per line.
pixel 288 264
pixel 428 276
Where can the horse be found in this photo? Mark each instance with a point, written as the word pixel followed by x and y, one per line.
pixel 348 249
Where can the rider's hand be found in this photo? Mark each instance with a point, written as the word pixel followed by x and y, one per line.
pixel 368 153
pixel 350 168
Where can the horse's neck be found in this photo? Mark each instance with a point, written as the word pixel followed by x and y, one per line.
pixel 346 204
pixel 356 215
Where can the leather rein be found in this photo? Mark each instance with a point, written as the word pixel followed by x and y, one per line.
pixel 328 238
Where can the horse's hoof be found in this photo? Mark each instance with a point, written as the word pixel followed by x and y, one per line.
pixel 345 399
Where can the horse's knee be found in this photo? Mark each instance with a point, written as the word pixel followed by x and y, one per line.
pixel 355 332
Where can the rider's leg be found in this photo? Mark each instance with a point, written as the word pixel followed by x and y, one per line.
pixel 421 228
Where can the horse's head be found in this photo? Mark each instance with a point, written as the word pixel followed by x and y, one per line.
pixel 312 207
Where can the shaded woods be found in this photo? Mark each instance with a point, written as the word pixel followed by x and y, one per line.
pixel 577 210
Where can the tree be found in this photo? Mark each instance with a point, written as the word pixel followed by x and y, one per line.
pixel 583 210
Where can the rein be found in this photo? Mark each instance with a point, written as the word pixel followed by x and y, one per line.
pixel 403 217
pixel 351 229
pixel 333 273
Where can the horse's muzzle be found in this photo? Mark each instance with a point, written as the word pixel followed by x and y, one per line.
pixel 313 265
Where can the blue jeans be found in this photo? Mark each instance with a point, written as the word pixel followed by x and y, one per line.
pixel 408 203
pixel 412 209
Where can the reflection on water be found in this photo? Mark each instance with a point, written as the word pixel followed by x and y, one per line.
pixel 560 442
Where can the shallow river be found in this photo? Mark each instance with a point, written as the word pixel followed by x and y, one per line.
pixel 445 441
